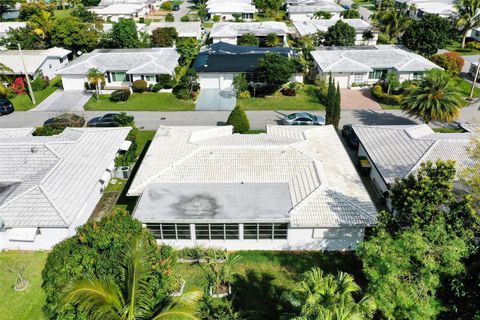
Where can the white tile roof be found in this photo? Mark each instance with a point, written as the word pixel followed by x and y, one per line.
pixel 363 59
pixel 471 127
pixel 329 6
pixel 313 26
pixel 133 61
pixel 45 181
pixel 237 29
pixel 190 29
pixel 325 188
pixel 397 151
pixel 118 9
pixel 222 7
pixel 33 58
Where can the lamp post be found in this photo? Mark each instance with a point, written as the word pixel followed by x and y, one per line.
pixel 30 91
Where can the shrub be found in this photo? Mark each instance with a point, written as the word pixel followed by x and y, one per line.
pixel 216 18
pixel 248 39
pixel 166 81
pixel 450 61
pixel 18 86
pixel 164 37
pixel 239 120
pixel 46 131
pixel 6 92
pixel 157 87
pixel 181 93
pixel 244 95
pixel 139 86
pixel 120 95
pixel 169 18
pixel 382 97
pixel 167 5
pixel 473 45
pixel 67 120
pixel 188 86
pixel 185 18
pixel 39 83
pixel 128 157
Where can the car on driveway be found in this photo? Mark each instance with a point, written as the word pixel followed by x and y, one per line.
pixel 350 136
pixel 107 120
pixel 175 7
pixel 6 107
pixel 303 118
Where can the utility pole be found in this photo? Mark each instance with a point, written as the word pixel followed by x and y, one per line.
pixel 475 79
pixel 30 91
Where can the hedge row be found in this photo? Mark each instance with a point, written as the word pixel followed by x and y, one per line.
pixel 382 97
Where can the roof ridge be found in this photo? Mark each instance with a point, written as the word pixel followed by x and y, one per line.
pixel 351 203
pixel 416 165
pixel 54 205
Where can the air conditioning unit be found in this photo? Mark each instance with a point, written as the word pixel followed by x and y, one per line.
pixel 122 172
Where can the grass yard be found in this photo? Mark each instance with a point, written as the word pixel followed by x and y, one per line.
pixel 147 101
pixel 24 305
pixel 24 103
pixel 457 47
pixel 304 100
pixel 464 87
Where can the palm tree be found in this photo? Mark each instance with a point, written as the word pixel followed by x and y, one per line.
pixel 96 76
pixel 435 98
pixel 271 40
pixel 103 298
pixel 320 296
pixel 322 15
pixel 5 73
pixel 468 16
pixel 42 24
pixel 393 22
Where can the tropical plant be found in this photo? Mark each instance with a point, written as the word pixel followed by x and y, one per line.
pixel 350 14
pixel 393 22
pixel 42 24
pixel 248 39
pixel 393 81
pixel 322 15
pixel 435 98
pixel 471 174
pixel 468 12
pixel 169 17
pixel 96 77
pixel 271 40
pixel 218 270
pixel 130 299
pixel 5 73
pixel 325 296
pixel 340 34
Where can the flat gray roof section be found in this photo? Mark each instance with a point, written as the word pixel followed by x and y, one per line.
pixel 214 202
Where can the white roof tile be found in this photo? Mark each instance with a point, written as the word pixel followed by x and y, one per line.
pixel 190 29
pixel 238 29
pixel 313 26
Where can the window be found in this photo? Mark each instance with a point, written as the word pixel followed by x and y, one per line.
pixel 170 231
pixel 417 75
pixel 247 15
pixel 358 77
pixel 217 231
pixel 61 60
pixel 150 78
pixel 275 231
pixel 376 74
pixel 119 76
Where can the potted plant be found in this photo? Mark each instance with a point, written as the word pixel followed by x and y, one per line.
pixel 21 283
pixel 178 287
pixel 219 274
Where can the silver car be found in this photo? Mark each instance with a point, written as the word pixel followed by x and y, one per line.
pixel 303 118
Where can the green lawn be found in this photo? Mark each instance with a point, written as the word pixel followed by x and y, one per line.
pixel 304 100
pixel 62 13
pixel 447 130
pixel 24 305
pixel 24 103
pixel 147 101
pixel 456 46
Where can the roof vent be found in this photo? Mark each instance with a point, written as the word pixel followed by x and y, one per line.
pixel 33 149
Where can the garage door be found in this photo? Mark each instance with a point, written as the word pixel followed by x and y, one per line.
pixel 342 80
pixel 73 83
pixel 209 81
pixel 227 80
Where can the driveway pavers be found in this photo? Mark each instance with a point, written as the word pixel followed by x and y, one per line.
pixel 357 100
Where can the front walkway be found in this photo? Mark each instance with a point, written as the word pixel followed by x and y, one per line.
pixel 216 100
pixel 357 100
pixel 65 101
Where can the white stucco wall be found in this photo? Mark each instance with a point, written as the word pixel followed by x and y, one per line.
pixel 215 80
pixel 52 65
pixel 232 40
pixel 73 82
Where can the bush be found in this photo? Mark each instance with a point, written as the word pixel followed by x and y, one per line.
pixel 188 86
pixel 248 39
pixel 239 120
pixel 39 83
pixel 185 18
pixel 157 87
pixel 166 81
pixel 167 5
pixel 128 157
pixel 120 95
pixel 139 86
pixel 244 95
pixel 46 131
pixel 382 97
pixel 170 18
pixel 216 18
pixel 66 120
pixel 450 61
pixel 473 45
pixel 164 37
pixel 6 92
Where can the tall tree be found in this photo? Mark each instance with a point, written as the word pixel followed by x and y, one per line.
pixel 124 34
pixel 435 98
pixel 42 24
pixel 164 37
pixel 330 100
pixel 468 17
pixel 393 22
pixel 340 34
pixel 428 34
pixel 276 68
pixel 5 6
pixel 72 33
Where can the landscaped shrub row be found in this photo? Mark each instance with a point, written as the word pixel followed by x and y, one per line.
pixel 382 97
pixel 120 95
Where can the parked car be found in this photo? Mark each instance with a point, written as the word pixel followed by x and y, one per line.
pixel 6 107
pixel 303 118
pixel 107 120
pixel 349 134
pixel 64 120
pixel 175 7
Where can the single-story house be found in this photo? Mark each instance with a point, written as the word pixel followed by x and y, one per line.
pixel 226 9
pixel 38 62
pixel 151 3
pixel 230 32
pixel 355 66
pixel 397 151
pixel 115 12
pixel 121 67
pixel 309 27
pixel 302 12
pixel 293 188
pixel 50 185
pixel 417 8
pixel 10 25
pixel 191 29
pixel 217 64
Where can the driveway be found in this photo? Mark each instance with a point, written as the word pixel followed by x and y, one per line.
pixel 357 100
pixel 185 8
pixel 216 100
pixel 64 101
pixel 364 12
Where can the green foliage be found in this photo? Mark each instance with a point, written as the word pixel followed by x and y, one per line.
pixel 248 39
pixel 473 45
pixel 468 18
pixel 79 11
pixel 188 49
pixel 27 39
pixel 332 103
pixel 185 18
pixel 244 95
pixel 471 175
pixel 30 9
pixel 219 273
pixel 393 81
pixel 239 120
pixel 167 5
pixel 74 34
pixel 216 309
pixel 276 68
pixel 216 18
pixel 237 16
pixel 130 156
pixel 271 40
pixel 368 35
pixel 120 95
pixel 240 83
pixel 340 34
pixel 124 35
pixel 139 86
pixel 188 86
pixel 170 18
pixel 382 97
pixel 96 250
pixel 67 120
pixel 450 61
pixel 393 23
pixel 428 34
pixel 125 120
pixel 5 6
pixel 164 37
pixel 202 12
pixel 323 15
pixel 39 83
pixel 46 131
pixel 165 81
pixel 350 14
pixel 268 5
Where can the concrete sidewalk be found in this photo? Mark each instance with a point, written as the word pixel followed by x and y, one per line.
pixel 64 101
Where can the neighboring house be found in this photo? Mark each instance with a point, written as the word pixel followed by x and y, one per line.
pixel 191 29
pixel 7 26
pixel 38 62
pixel 418 8
pixel 302 12
pixel 121 67
pixel 115 12
pixel 226 9
pixel 217 64
pixel 471 127
pixel 309 27
pixel 152 4
pixel 397 151
pixel 293 188
pixel 355 66
pixel 230 32
pixel 50 185
pixel 475 34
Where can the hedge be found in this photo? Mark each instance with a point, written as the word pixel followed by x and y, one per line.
pixel 139 86
pixel 382 97
pixel 120 95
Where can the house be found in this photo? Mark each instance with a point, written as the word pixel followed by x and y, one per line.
pixel 470 127
pixel 191 29
pixel 418 8
pixel 397 151
pixel 121 67
pixel 228 9
pixel 302 12
pixel 354 66
pixel 50 185
pixel 293 188
pixel 310 27
pixel 152 4
pixel 230 32
pixel 37 62
pixel 11 25
pixel 217 64
pixel 115 12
